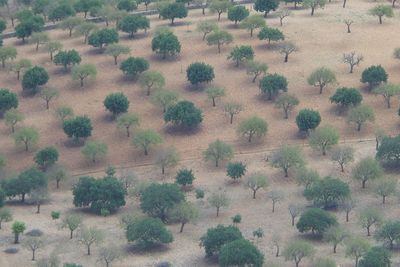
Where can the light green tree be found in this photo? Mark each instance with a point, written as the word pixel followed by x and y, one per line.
pixel 33 243
pixel 206 27
pixel 219 6
pixel 323 138
pixel 385 187
pixel 94 150
pixel 164 99
pixel 85 29
pixel 184 213
pixel 367 169
pixel 12 117
pixel 255 69
pixel 17 229
pixel 253 127
pixel 314 4
pixel 48 94
pixel 5 215
pixel 343 155
pixel 219 38
pixel 39 38
pixel 53 47
pixel 127 121
pixel 287 157
pixel 257 181
pixel 70 24
pixel 217 151
pixel 151 80
pixel 64 112
pixel 83 71
pixel 214 93
pixel 297 250
pixel 387 90
pixel 361 114
pixel 167 158
pixel 7 53
pixel 89 236
pixel 72 222
pixel 369 217
pixel 381 11
pixel 146 138
pixel 321 78
pixel 252 22
pixel 336 235
pixel 115 50
pixel 287 102
pixel 27 136
pixel 218 200
pixel 356 247
pixel 21 65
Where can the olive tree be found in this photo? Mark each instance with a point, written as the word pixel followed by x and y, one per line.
pixel 296 250
pixel 241 53
pixel 52 47
pixel 356 247
pixel 367 169
pixel 294 211
pixel 237 13
pixel 266 6
pixel 93 150
pixel 306 177
pixel 109 254
pixel 232 109
pixel 323 138
pixel 151 80
pixel 287 102
pixel 166 43
pixel 89 236
pixel 336 235
pixel 115 50
pixel 361 114
pixel 270 34
pixel 381 11
pixel 314 4
pixel 385 187
pixel 283 13
pixel 7 53
pixel 48 94
pixel 219 6
pixel 369 217
pixel 63 112
pixel 256 181
pixel 27 136
pixel 72 222
pixel 70 24
pixel 219 38
pixel 214 93
pixel 321 78
pixel 286 48
pixel 12 117
pixel 39 38
pixel 343 155
pixel 275 197
pixel 17 228
pixel 287 157
pixel 347 204
pixel 374 76
pixel 206 27
pixel 5 215
pixel 145 139
pixel 127 121
pixel 346 97
pixel 218 151
pixel 184 213
pixel 167 158
pixel 352 59
pixel 387 91
pixel 389 233
pixel 33 243
pixel 255 69
pixel 164 99
pixel 272 84
pixel 85 29
pixel 218 200
pixel 252 22
pixel 199 72
pixel 252 127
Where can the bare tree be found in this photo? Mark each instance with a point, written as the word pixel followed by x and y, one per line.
pixel 295 210
pixel 33 243
pixel 283 13
pixel 348 23
pixel 38 196
pixel 90 236
pixel 109 254
pixel 286 48
pixel 352 59
pixel 275 196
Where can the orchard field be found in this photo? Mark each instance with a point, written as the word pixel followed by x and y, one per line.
pixel 320 41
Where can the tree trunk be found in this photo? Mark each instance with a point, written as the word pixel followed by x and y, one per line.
pixel 219 48
pixel 281 19
pixel 128 133
pixel 216 163
pixel 351 68
pixel 380 19
pixel 12 128
pixel 286 58
pixel 204 12
pixel 254 194
pixel 182 225
pixel 71 234
pixel 231 118
pixel 342 167
pixel 163 170
pixel 393 2
pixel 26 146
pixel 344 3
pixel 363 183
pixel 23 197
pixel 219 16
pixel 348 28
pixel 3 63
pixel 18 73
pixel 145 151
pixel 359 127
pixel 88 249
pixel 213 101
pixel 323 151
pixel 255 77
pixel 292 220
pixel 286 172
pixel 250 136
pixel 70 32
pixel 51 56
pixel 172 21
pixel 383 199
pixel 33 254
pixel 277 251
pixel 82 82
pixel 204 36
pixel 321 88
pixel 115 60
pixel 57 184
pixel 47 104
pixel 37 46
pixel 217 211
pixel 388 102
pixel 356 265
pixel 265 14
pixel 312 11
pixel 334 248
pixel 273 206
pixel 251 32
pixel 368 232
pixel 16 238
pixel 347 216
pixel 38 208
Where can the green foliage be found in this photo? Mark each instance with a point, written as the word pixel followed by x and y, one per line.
pixel 17 229
pixel 296 250
pixel 343 155
pixel 374 76
pixel 256 68
pixel 314 4
pixel 240 252
pixel 127 5
pixel 85 29
pixel 271 34
pixel 236 170
pixel 64 112
pixel 387 90
pixel 28 26
pixel 215 92
pixel 55 215
pixel 237 13
pixel 287 157
pixel 315 220
pixel 241 53
pixel 164 99
pixel 70 24
pixel 252 127
pixel 217 237
pixel 145 139
pixel 52 47
pixel 232 109
pixel 219 6
pixel 389 233
pixel 252 22
pixel 72 222
pixel 327 192
pixel 134 66
pixel 103 37
pixel 106 193
pixel 127 121
pixel 93 150
pixel 151 80
pixel 86 5
pixel 386 187
pixel 381 11
pixel 272 84
pixel 257 181
pixel 361 114
pixel 21 65
pixel 46 157
pixel 218 151
pixel 199 72
pixel 199 193
pixel 172 11
pixel 33 78
pixel 7 53
pixel 148 232
pixel 367 169
pixel 184 213
pixel 90 236
pixel 47 94
pixel 184 114
pixel 157 200
pixel 376 256
pixel 206 27
pixel 307 120
pixel 218 200
pixel 116 103
pixel 388 151
pixel 27 136
pixel 236 219
pixel 219 38
pixel 8 100
pixel 321 78
pixel 83 71
pixel 369 217
pixel 78 127
pixel 306 177
pixel 356 247
pixel 266 6
pixel 67 58
pixel 323 138
pixel 335 235
pixel 115 50
pixel 346 97
pixel 5 215
pixel 286 102
pixel 184 177
pixel 61 11
pixel 131 24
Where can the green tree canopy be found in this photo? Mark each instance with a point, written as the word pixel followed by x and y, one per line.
pixel 184 114
pixel 145 139
pixel 252 127
pixel 315 220
pixel 218 151
pixel 217 237
pixel 240 252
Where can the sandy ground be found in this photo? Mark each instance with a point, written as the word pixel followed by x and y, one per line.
pixel 321 39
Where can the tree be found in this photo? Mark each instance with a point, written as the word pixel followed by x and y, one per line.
pixel 64 112
pixel 296 250
pixel 323 138
pixel 85 29
pixel 67 58
pixel 287 157
pixel 219 6
pixel 240 252
pixel 20 66
pixel 217 151
pixel 33 78
pixel 78 127
pixel 166 43
pixel 17 229
pixel 315 219
pixel 283 13
pixel 275 196
pixel 132 23
pixel 33 243
pixel 164 99
pixel 343 155
pixel 151 80
pixel 388 151
pixel 272 84
pixel 255 69
pixel 235 170
pixel 109 254
pixel 346 97
pixel 115 50
pixel 52 47
pixel 5 215
pixel 237 13
pixel 314 4
pixel 70 24
pixel 381 11
pixel 47 94
pixel 327 192
pixel 103 37
pixel 167 158
pixel 72 222
pixel 8 100
pixel 217 237
pixel 184 213
pixel 360 115
pixel 12 117
pixel 172 11
pixel 376 256
pixel 94 150
pixel 184 114
pixel 218 200
pixel 367 169
pixel 356 247
pixel 252 22
pixel 83 71
pixel 295 210
pixel 232 109
pixel 106 194
pixel 266 6
pixel 127 121
pixel 307 120
pixel 90 236
pixel 252 127
pixel 157 200
pixel 335 235
pixel 127 5
pixel 206 27
pixel 28 26
pixel 369 217
pixel 27 136
pixel 270 34
pixel 352 59
pixel 374 76
pixel 321 78
pixel 219 38
pixel 287 102
pixel 256 181
pixel 38 196
pixel 389 233
pixel 86 5
pixel 46 157
pixel 215 92
pixel 306 177
pixel 58 173
pixel 61 11
pixel 241 53
pixel 347 205
pixel 385 187
pixel 116 103
pixel 133 66
pixel 146 138
pixel 286 48
pixel 387 90
pixel 199 72
pixel 184 177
